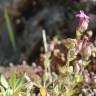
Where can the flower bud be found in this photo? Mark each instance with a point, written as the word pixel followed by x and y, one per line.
pixel 84 20
pixel 69 43
pixel 86 52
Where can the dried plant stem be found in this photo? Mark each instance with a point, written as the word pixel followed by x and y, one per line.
pixel 44 41
pixel 47 71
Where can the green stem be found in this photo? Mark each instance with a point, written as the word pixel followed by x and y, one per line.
pixel 68 58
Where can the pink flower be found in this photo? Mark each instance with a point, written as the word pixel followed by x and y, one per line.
pixel 82 15
pixel 84 20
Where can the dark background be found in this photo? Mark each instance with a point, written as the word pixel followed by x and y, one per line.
pixel 28 19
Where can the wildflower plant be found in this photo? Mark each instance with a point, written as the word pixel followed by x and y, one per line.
pixel 76 58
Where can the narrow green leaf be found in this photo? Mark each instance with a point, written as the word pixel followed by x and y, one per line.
pixel 5 92
pixel 20 83
pixel 10 30
pixel 13 80
pixel 4 82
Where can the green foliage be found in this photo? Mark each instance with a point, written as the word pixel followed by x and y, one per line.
pixel 13 87
pixel 9 27
pixel 4 82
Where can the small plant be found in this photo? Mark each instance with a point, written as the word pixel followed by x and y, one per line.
pixel 13 87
